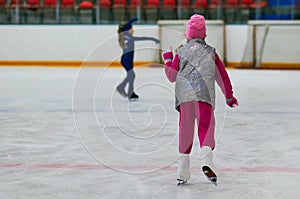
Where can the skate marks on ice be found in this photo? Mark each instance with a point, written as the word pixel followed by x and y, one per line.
pixel 115 127
pixel 243 184
pixel 256 155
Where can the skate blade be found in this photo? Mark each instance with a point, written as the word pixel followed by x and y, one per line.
pixel 181 182
pixel 133 99
pixel 211 176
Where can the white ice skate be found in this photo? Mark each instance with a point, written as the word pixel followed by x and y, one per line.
pixel 183 171
pixel 207 165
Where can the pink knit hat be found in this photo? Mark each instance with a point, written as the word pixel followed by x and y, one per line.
pixel 195 27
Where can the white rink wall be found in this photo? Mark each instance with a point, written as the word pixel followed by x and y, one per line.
pixel 99 43
pixel 70 43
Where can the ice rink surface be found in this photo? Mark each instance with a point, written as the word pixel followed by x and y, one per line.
pixel 66 133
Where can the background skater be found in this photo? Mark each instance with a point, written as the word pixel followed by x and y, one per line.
pixel 126 41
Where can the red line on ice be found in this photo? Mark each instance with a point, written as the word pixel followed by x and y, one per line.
pixel 145 168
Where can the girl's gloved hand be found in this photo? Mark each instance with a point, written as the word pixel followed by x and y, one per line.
pixel 167 56
pixel 232 102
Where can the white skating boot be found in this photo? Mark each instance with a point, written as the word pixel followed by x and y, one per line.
pixel 207 165
pixel 183 171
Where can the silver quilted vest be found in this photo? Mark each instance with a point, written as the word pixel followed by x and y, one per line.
pixel 196 76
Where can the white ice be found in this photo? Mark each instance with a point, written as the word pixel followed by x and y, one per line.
pixel 66 133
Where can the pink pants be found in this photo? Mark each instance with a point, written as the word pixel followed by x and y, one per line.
pixel 204 113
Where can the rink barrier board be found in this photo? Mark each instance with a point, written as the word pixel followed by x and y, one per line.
pixel 266 65
pixel 43 63
pixel 76 64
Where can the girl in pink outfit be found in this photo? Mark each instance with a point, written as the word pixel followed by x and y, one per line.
pixel 195 68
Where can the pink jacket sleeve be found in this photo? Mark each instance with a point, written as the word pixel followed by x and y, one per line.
pixel 222 78
pixel 171 68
